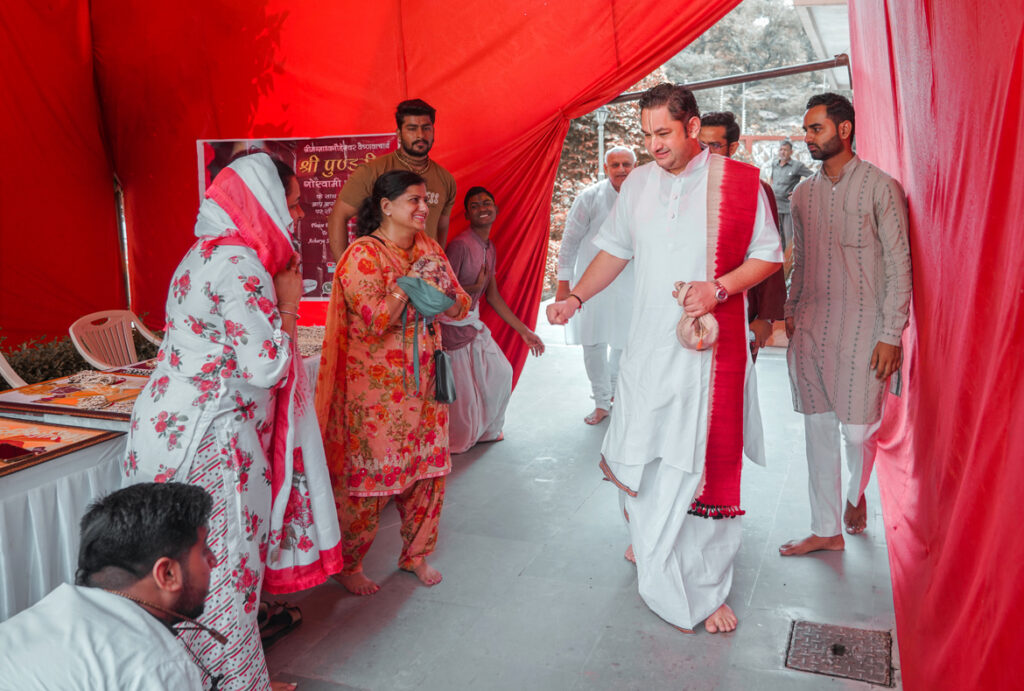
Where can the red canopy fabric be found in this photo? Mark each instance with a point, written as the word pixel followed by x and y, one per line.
pixel 506 78
pixel 940 104
pixel 59 250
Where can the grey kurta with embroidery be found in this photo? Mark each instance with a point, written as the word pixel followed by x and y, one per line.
pixel 851 286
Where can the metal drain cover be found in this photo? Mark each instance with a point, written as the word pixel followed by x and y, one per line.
pixel 840 651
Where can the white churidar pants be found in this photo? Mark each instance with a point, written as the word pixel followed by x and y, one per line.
pixel 602 365
pixel 684 562
pixel 483 386
pixel 825 467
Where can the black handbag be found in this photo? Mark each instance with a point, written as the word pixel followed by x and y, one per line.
pixel 444 379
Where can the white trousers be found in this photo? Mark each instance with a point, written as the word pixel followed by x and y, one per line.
pixel 483 385
pixel 602 365
pixel 825 467
pixel 684 563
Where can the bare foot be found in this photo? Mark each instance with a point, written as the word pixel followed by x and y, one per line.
pixel 812 543
pixel 500 437
pixel 722 620
pixel 427 574
pixel 356 583
pixel 630 557
pixel 856 517
pixel 282 686
pixel 596 416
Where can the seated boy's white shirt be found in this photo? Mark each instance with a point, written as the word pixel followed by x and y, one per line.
pixel 86 638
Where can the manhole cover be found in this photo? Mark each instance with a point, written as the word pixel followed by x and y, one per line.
pixel 840 651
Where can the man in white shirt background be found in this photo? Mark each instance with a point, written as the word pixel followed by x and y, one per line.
pixel 603 327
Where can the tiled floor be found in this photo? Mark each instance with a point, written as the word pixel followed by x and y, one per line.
pixel 536 594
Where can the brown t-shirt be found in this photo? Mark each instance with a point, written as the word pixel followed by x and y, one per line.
pixel 440 186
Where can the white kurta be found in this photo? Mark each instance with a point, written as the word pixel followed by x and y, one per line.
pixel 660 221
pixel 657 439
pixel 86 638
pixel 607 315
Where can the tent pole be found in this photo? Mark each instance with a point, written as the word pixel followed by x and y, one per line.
pixel 122 240
pixel 841 60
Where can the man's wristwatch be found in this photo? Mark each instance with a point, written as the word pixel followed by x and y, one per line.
pixel 721 294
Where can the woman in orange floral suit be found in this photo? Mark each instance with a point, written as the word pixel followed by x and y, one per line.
pixel 385 434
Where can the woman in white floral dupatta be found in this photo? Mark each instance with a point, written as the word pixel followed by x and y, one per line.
pixel 228 408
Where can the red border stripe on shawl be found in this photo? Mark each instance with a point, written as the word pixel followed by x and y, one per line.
pixel 732 208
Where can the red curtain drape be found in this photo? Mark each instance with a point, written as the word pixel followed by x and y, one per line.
pixel 506 79
pixel 940 104
pixel 59 250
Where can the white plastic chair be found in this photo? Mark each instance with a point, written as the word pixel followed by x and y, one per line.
pixel 105 340
pixel 9 375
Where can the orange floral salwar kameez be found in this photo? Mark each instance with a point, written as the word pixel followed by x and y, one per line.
pixel 384 435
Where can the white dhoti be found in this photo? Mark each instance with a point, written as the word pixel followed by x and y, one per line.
pixel 684 562
pixel 483 386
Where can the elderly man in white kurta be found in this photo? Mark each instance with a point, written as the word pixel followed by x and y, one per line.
pixel 675 454
pixel 847 309
pixel 602 328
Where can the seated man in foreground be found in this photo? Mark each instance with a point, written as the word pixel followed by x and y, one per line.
pixel 483 375
pixel 143 567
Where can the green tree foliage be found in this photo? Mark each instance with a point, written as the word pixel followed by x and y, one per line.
pixel 756 35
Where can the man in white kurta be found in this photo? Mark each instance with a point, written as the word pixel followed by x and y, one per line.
pixel 602 328
pixel 655 446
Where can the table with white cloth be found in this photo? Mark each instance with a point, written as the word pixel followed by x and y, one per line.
pixel 40 509
pixel 41 506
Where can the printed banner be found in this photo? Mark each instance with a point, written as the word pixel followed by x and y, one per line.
pixel 322 166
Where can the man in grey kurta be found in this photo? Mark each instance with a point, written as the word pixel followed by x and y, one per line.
pixel 786 173
pixel 848 305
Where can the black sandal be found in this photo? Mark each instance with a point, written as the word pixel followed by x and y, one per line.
pixel 281 619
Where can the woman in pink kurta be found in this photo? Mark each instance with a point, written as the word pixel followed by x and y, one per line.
pixel 385 434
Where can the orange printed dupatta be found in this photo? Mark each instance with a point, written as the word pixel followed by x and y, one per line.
pixel 733 189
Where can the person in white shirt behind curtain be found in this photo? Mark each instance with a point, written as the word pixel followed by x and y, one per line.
pixel 603 327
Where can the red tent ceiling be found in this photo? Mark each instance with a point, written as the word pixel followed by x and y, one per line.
pixel 505 78
pixel 59 252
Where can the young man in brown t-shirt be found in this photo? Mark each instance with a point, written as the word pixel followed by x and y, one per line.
pixel 415 119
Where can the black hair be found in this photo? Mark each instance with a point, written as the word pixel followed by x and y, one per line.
pixel 284 171
pixel 390 185
pixel 786 142
pixel 680 101
pixel 838 108
pixel 414 106
pixel 473 191
pixel 134 527
pixel 725 119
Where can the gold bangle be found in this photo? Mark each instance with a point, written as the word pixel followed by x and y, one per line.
pixel 281 311
pixel 399 296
